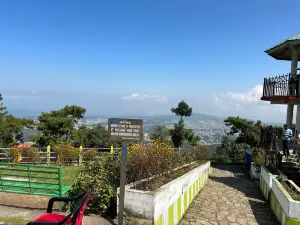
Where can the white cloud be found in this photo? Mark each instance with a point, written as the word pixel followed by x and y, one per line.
pixel 139 97
pixel 248 104
pixel 34 92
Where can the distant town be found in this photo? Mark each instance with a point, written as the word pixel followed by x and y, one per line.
pixel 209 128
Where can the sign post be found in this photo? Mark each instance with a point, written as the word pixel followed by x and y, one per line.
pixel 125 131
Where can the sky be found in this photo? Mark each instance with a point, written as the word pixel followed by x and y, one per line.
pixel 142 57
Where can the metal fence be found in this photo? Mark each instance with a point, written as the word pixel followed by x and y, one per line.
pixel 276 86
pixel 48 156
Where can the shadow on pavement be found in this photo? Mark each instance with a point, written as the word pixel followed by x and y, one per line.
pixel 240 181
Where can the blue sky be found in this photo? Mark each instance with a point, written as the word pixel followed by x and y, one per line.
pixel 97 53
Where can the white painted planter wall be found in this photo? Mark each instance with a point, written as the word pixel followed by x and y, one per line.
pixel 284 207
pixel 265 181
pixel 167 204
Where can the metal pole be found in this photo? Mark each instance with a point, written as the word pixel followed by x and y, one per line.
pixel 122 184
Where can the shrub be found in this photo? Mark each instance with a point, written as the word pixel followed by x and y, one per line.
pixel 14 155
pixel 201 153
pixel 258 156
pixel 30 155
pixel 89 155
pixel 94 178
pixel 145 161
pixel 67 154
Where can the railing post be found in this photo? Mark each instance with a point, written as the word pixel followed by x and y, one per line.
pixel 48 154
pixel 264 88
pixel 80 155
pixel 111 149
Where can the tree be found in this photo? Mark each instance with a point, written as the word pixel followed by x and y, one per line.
pixel 179 133
pixel 161 133
pixel 3 111
pixel 182 110
pixel 11 129
pixel 97 137
pixel 249 133
pixel 59 124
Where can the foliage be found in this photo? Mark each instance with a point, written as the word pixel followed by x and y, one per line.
pixel 146 161
pixel 191 137
pixel 59 124
pixel 3 111
pixel 161 133
pixel 97 137
pixel 11 129
pixel 89 155
pixel 30 154
pixel 93 177
pixel 231 151
pixel 179 133
pixel 14 154
pixel 66 153
pixel 182 110
pixel 258 155
pixel 249 132
pixel 201 152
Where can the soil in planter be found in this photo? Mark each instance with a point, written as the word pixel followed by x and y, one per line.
pixel 157 182
pixel 291 190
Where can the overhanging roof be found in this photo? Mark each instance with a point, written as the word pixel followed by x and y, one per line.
pixel 283 51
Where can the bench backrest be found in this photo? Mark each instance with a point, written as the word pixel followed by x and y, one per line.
pixel 31 179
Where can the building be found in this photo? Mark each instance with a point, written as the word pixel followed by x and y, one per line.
pixel 279 89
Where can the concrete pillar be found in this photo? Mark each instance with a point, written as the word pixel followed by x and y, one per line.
pixel 290 107
pixel 294 64
pixel 289 115
pixel 298 119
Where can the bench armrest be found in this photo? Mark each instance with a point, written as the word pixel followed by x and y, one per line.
pixel 61 199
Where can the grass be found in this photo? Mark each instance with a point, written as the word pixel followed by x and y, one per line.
pixel 13 220
pixel 69 174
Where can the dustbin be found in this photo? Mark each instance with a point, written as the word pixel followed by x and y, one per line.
pixel 248 158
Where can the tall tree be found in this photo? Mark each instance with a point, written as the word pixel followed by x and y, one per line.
pixel 249 133
pixel 182 110
pixel 179 133
pixel 59 124
pixel 3 111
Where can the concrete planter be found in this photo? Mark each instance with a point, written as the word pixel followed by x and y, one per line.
pixel 284 207
pixel 167 204
pixel 266 181
pixel 254 172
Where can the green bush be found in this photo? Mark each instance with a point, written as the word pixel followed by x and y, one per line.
pixel 89 155
pixel 31 155
pixel 258 156
pixel 94 178
pixel 67 154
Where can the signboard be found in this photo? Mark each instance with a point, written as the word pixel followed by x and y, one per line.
pixel 125 130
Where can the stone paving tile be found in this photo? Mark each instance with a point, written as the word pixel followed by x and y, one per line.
pixel 229 198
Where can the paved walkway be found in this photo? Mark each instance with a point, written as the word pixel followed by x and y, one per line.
pixel 229 198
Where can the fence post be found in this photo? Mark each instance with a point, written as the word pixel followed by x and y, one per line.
pixel 80 155
pixel 111 149
pixel 48 155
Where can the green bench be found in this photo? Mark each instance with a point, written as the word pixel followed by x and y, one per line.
pixel 32 179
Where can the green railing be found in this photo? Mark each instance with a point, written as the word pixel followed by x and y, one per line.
pixel 32 179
